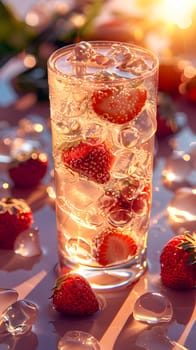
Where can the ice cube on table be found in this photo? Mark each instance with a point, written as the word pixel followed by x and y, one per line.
pixel 77 340
pixel 18 318
pixel 27 243
pixel 7 297
pixel 153 308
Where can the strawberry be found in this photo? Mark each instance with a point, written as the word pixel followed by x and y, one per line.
pixel 28 168
pixel 118 106
pixel 178 262
pixel 15 217
pixel 114 246
pixel 73 296
pixel 92 161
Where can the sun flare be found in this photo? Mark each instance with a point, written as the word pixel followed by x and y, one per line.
pixel 178 12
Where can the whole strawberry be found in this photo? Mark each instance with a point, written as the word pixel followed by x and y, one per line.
pixel 15 217
pixel 73 296
pixel 27 169
pixel 178 262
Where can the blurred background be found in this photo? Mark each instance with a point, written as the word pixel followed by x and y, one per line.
pixel 31 30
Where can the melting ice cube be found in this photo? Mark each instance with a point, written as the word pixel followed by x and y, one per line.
pixel 78 340
pixel 7 297
pixel 27 243
pixel 18 318
pixel 153 308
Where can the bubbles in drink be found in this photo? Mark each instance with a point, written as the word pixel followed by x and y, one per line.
pixel 153 308
pixel 27 244
pixel 7 297
pixel 18 318
pixel 119 217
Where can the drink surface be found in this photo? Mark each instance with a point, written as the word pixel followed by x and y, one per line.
pixel 103 114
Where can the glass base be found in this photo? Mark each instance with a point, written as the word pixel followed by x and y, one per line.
pixel 107 278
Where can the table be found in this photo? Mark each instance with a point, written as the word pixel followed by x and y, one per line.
pixel 33 278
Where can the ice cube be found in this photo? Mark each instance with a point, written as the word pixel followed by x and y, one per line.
pixel 82 51
pixel 79 57
pixel 27 244
pixel 120 52
pixel 77 340
pixel 74 105
pixel 122 163
pixel 82 194
pixel 7 297
pixel 127 137
pixel 153 308
pixel 134 65
pixel 19 317
pixel 146 124
pixel 94 133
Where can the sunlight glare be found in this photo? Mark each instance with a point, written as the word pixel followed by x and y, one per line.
pixel 178 12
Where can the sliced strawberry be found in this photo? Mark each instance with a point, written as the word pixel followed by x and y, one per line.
pixel 92 161
pixel 118 106
pixel 114 246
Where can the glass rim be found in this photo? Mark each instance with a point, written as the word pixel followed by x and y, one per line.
pixel 104 43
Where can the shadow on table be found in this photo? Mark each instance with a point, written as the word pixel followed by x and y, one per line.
pixel 139 336
pixel 9 261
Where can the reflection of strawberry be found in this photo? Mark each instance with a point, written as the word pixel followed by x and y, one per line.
pixel 118 106
pixel 28 168
pixel 178 262
pixel 74 296
pixel 190 89
pixel 166 121
pixel 114 246
pixel 92 161
pixel 169 77
pixel 15 217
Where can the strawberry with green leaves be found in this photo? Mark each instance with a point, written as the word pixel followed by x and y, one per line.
pixel 93 161
pixel 15 217
pixel 117 106
pixel 113 247
pixel 73 296
pixel 178 262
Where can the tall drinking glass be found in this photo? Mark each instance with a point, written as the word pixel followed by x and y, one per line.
pixel 103 119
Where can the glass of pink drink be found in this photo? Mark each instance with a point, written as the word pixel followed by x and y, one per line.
pixel 103 118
